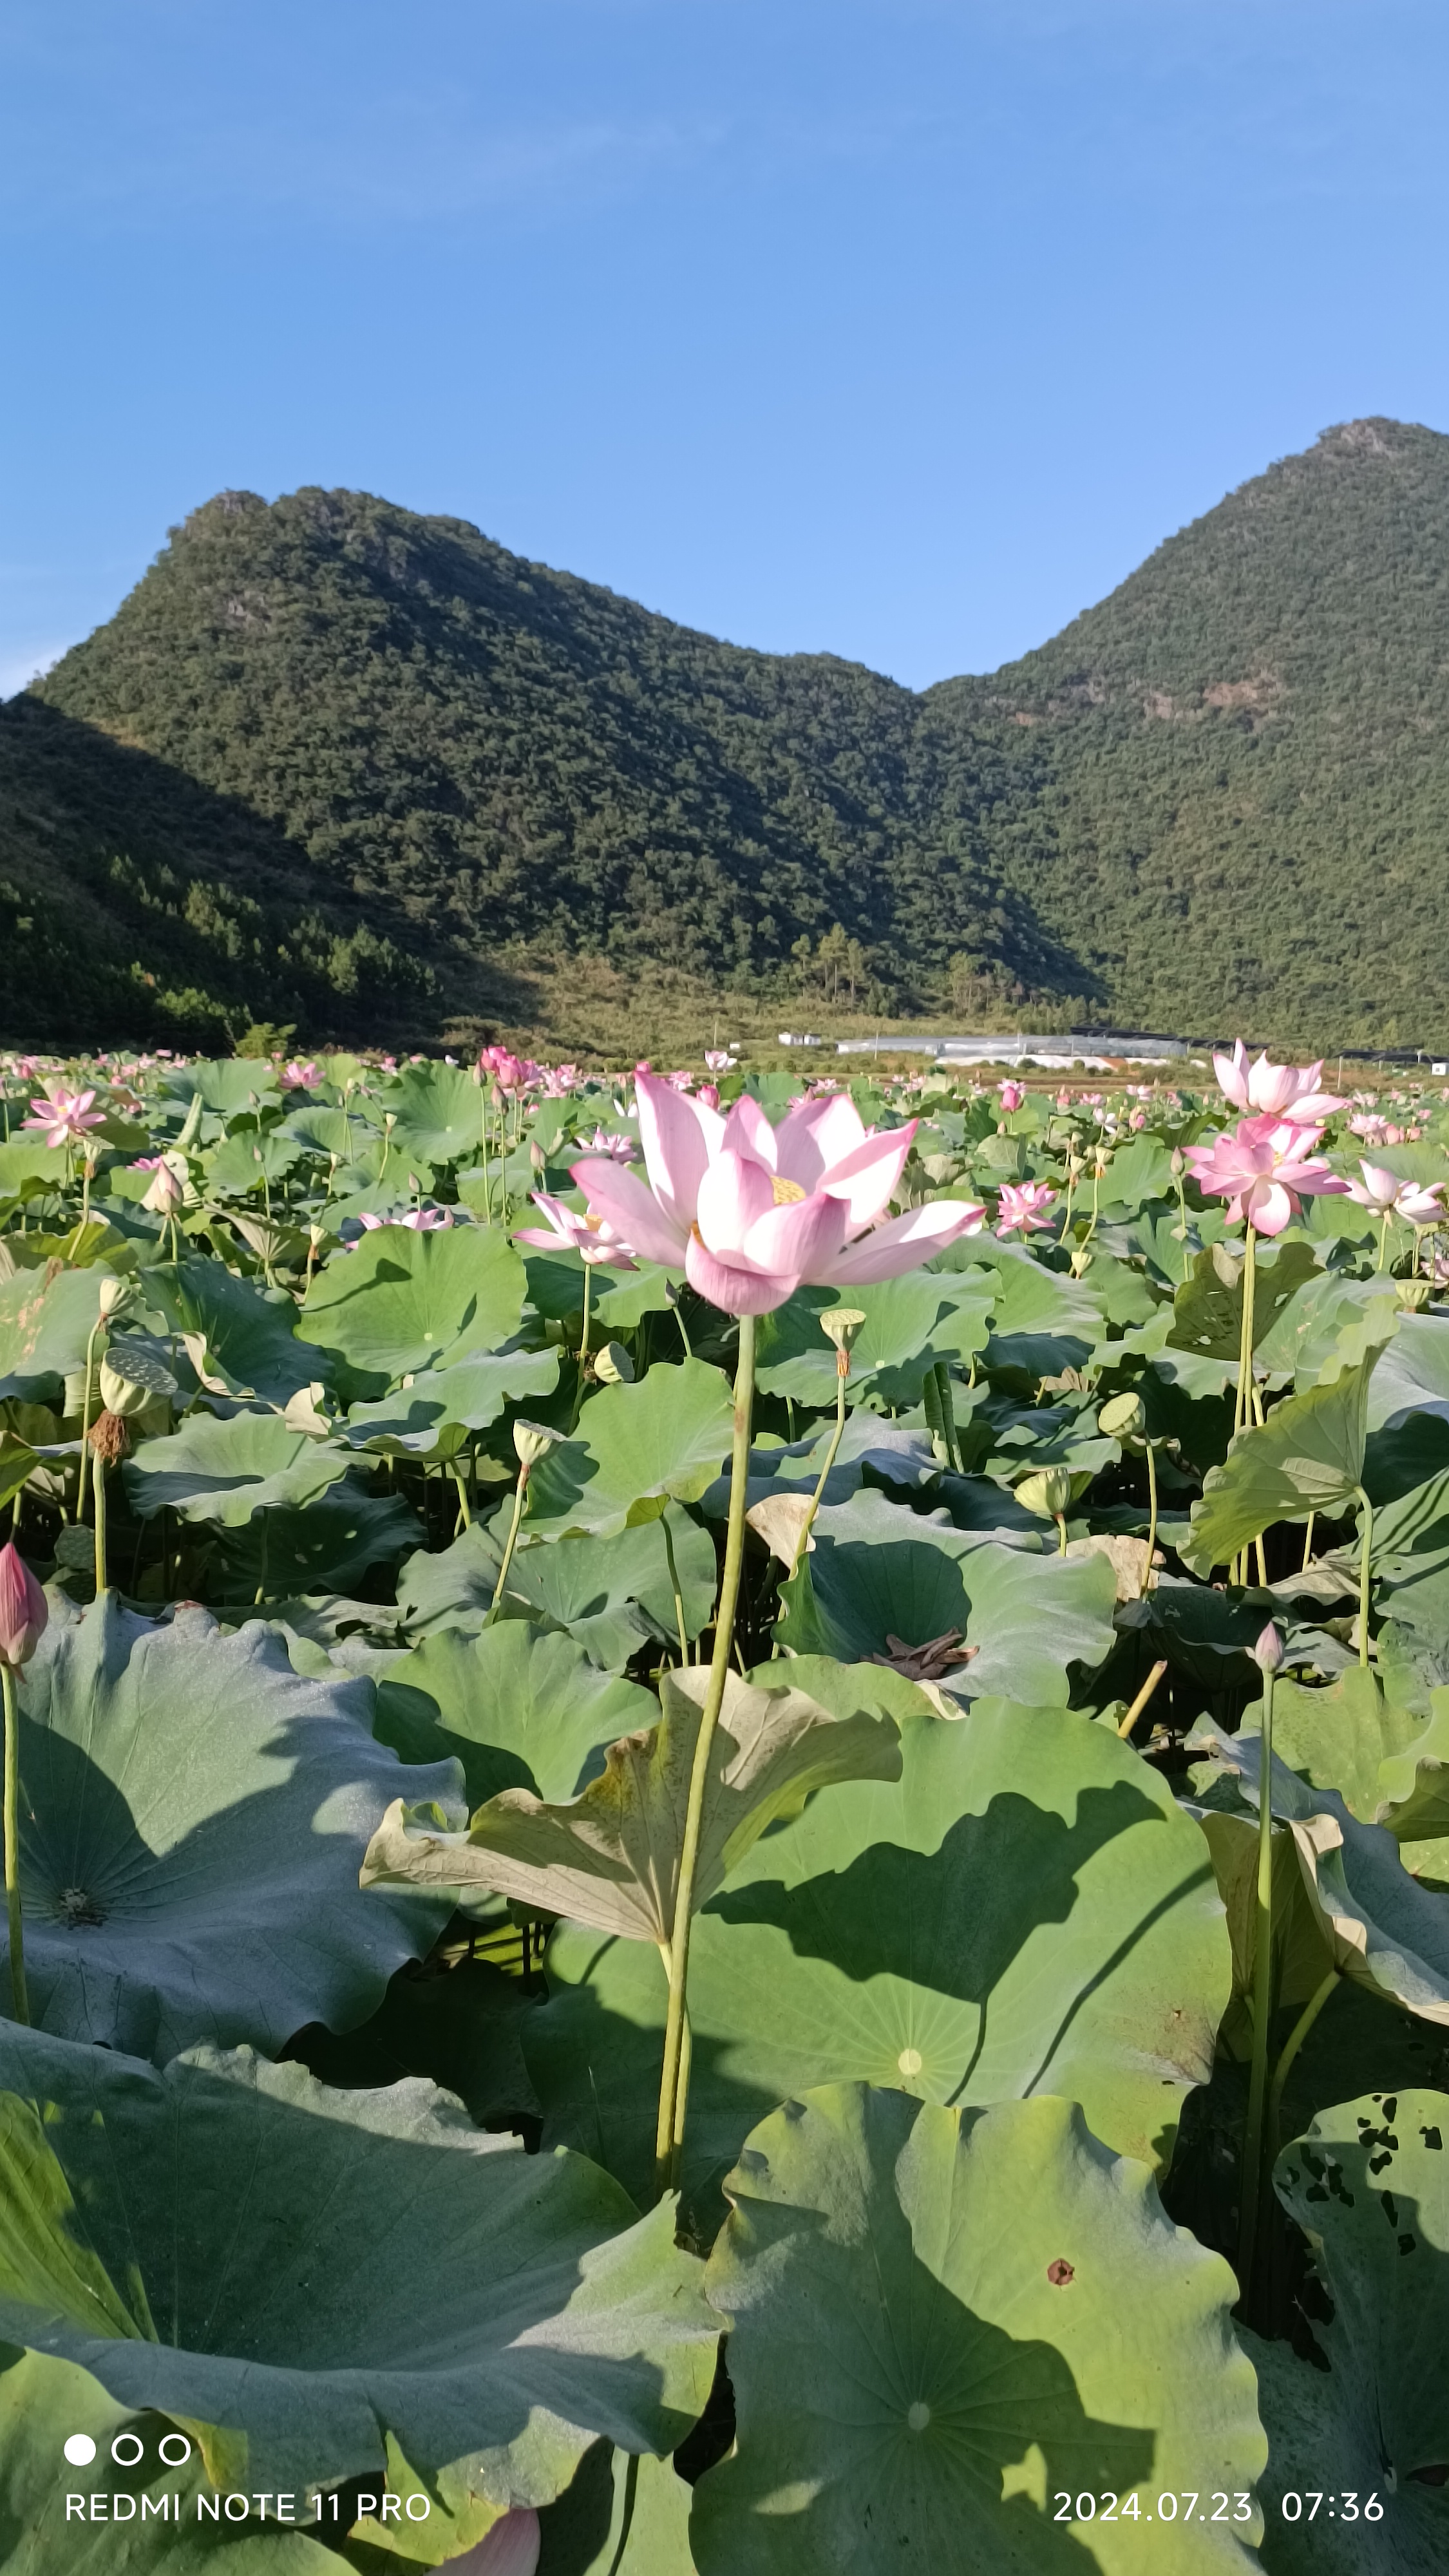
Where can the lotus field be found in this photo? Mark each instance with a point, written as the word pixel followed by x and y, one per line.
pixel 726 1822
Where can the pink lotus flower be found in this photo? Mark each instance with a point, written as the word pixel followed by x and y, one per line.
pixel 707 1096
pixel 1023 1207
pixel 302 1077
pixel 1137 1120
pixel 23 1611
pixel 168 1189
pixel 748 1211
pixel 1274 1090
pixel 505 1068
pixel 1012 1095
pixel 63 1115
pixel 427 1220
pixel 1373 1130
pixel 559 1080
pixel 567 1231
pixel 1387 1195
pixel 717 1059
pixel 1064 1098
pixel 1264 1169
pixel 620 1149
pixel 511 2548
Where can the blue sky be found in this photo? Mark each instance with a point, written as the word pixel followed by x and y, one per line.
pixel 900 328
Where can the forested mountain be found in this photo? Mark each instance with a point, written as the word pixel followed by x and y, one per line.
pixel 338 763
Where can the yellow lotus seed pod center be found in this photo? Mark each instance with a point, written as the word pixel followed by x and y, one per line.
pixel 786 1192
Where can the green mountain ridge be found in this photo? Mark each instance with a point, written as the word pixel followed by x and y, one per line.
pixel 336 763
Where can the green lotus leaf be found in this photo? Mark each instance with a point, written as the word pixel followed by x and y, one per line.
pixel 1389 1766
pixel 439 1111
pixel 1207 1310
pixel 243 1162
pixel 620 1298
pixel 148 2523
pixel 1307 1457
pixel 342 1132
pixel 302 2275
pixel 1413 1375
pixel 623 2515
pixel 1379 1924
pixel 944 2321
pixel 879 1571
pixel 400 1301
pixel 248 1333
pixel 1026 1910
pixel 325 1545
pixel 520 1707
pixel 610 1856
pixel 1301 1953
pixel 192 1820
pixel 663 1437
pixel 612 1594
pixel 45 1324
pixel 457 2020
pixel 910 1324
pixel 212 1470
pixel 226 1085
pixel 1041 1322
pixel 1412 1591
pixel 469 1396
pixel 1369 2186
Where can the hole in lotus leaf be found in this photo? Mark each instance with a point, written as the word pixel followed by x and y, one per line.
pixel 1061 2272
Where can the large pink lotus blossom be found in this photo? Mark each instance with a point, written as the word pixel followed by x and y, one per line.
pixel 620 1149
pixel 1264 1169
pixel 1023 1207
pixel 1388 1195
pixel 1274 1090
pixel 567 1231
pixel 62 1115
pixel 559 1080
pixel 1012 1095
pixel 748 1211
pixel 420 1220
pixel 302 1076
pixel 717 1059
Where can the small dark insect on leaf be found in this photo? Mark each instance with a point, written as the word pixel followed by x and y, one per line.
pixel 1060 2273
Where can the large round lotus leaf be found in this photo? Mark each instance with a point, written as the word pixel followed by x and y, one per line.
pixel 401 1300
pixel 230 1084
pixel 635 1444
pixel 622 2516
pixel 244 1161
pixel 439 1111
pixel 1369 2184
pixel 193 1818
pixel 45 1324
pixel 910 1324
pixel 466 1397
pixel 1389 1765
pixel 211 1470
pixel 879 1571
pixel 1026 1910
pixel 944 2321
pixel 521 1708
pixel 148 2523
pixel 248 1332
pixel 319 2281
pixel 325 1545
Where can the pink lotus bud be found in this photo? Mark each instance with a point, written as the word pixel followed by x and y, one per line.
pixel 1012 1096
pixel 23 1611
pixel 1268 1652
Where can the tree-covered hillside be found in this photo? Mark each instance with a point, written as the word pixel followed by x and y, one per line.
pixel 1220 798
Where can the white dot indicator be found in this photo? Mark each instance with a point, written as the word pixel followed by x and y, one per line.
pixel 909 2061
pixel 918 2416
pixel 80 2450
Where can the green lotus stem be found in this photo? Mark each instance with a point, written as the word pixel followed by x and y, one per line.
pixel 588 1294
pixel 1245 1351
pixel 1061 1521
pixel 1250 2177
pixel 98 1487
pixel 80 1500
pixel 1291 2046
pixel 1151 1515
pixel 519 1491
pixel 1182 1221
pixel 487 1184
pixel 674 2080
pixel 1308 1542
pixel 676 1299
pixel 1365 1550
pixel 842 1373
pixel 19 1998
pixel 461 1481
pixel 674 1586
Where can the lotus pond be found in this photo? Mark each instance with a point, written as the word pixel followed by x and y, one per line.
pixel 726 1823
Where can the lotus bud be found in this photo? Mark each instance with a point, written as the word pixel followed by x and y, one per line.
pixel 1268 1652
pixel 1124 1418
pixel 537 1157
pixel 613 1366
pixel 1178 1164
pixel 114 1293
pixel 532 1441
pixel 1047 1493
pixel 23 1611
pixel 840 1324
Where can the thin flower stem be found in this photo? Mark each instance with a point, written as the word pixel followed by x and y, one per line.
pixel 461 1481
pixel 674 1586
pixel 1308 1543
pixel 1291 2046
pixel 1245 1353
pixel 674 2081
pixel 98 1487
pixel 842 1373
pixel 519 1491
pixel 1151 1516
pixel 20 2000
pixel 1365 1550
pixel 80 1500
pixel 1140 1702
pixel 1262 2007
